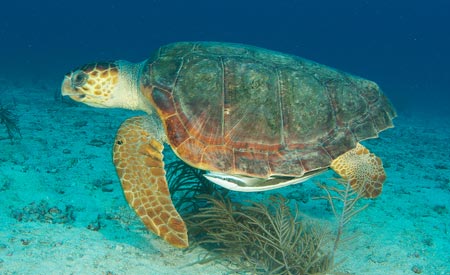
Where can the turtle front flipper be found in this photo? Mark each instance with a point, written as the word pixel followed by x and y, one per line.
pixel 362 169
pixel 139 163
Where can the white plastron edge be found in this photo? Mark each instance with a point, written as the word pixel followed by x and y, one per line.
pixel 251 184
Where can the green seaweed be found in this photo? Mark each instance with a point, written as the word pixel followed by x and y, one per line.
pixel 10 122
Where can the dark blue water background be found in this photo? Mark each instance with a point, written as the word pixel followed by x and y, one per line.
pixel 402 45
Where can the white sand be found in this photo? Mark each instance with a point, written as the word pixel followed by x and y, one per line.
pixel 61 160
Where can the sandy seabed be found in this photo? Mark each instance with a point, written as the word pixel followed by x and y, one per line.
pixel 63 211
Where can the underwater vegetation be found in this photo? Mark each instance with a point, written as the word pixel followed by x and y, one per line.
pixel 343 194
pixel 10 122
pixel 186 184
pixel 261 238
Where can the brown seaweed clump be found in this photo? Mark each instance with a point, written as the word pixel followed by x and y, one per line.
pixel 262 238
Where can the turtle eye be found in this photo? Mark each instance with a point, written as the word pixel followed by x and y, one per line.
pixel 79 78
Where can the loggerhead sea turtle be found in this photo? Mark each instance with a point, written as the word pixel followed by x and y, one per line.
pixel 254 119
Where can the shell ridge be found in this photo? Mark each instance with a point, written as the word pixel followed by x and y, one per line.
pixel 177 75
pixel 222 125
pixel 280 105
pixel 331 99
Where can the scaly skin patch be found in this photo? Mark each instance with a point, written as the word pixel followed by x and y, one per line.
pixel 139 162
pixel 362 169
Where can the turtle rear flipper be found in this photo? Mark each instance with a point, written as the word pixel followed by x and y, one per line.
pixel 362 169
pixel 139 162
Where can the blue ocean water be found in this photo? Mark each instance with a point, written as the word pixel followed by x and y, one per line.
pixel 401 45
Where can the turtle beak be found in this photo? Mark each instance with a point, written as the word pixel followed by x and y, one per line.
pixel 68 90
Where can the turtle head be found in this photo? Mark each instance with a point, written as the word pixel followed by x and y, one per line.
pixel 105 85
